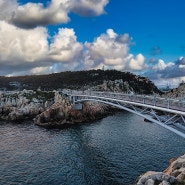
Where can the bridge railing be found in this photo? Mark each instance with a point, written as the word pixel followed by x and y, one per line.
pixel 165 102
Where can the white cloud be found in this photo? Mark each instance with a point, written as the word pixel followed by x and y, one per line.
pixel 112 50
pixel 137 63
pixel 30 15
pixel 29 50
pixel 167 72
pixel 171 82
pixel 160 65
pixel 41 70
pixel 105 49
pixel 17 45
pixel 7 9
pixel 89 7
pixel 65 47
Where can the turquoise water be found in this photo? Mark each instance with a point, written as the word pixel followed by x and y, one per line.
pixel 112 151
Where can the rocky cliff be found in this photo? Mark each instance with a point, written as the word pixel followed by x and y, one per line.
pixel 173 175
pixel 62 113
pixel 48 109
pixel 17 106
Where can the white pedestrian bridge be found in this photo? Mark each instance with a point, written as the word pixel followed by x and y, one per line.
pixel 164 111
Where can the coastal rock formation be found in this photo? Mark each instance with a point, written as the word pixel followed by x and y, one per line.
pixel 173 175
pixel 62 113
pixel 21 105
pixel 177 169
pixel 48 109
pixel 57 114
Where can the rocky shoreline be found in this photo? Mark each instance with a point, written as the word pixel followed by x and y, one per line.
pixel 48 109
pixel 173 175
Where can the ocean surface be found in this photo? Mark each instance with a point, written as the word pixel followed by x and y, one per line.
pixel 112 151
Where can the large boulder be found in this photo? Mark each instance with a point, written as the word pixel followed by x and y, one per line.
pixel 173 175
pixel 177 169
pixel 155 178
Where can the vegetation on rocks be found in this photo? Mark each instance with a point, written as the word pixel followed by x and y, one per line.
pixel 82 80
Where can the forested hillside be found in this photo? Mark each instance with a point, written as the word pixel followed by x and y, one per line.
pixel 79 80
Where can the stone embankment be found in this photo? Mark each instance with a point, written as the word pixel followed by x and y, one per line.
pixel 48 109
pixel 173 175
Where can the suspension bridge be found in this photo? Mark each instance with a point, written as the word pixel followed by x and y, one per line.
pixel 166 112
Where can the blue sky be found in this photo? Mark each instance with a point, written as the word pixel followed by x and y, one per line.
pixel 154 23
pixel 140 36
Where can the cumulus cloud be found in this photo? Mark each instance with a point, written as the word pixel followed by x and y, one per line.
pixel 89 7
pixel 22 49
pixel 33 14
pixel 65 47
pixel 28 51
pixel 137 63
pixel 112 50
pixel 105 49
pixel 19 47
pixel 24 46
pixel 161 65
pixel 7 9
pixel 165 71
pixel 30 15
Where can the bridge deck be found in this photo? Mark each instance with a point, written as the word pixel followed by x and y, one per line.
pixel 161 102
pixel 169 113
